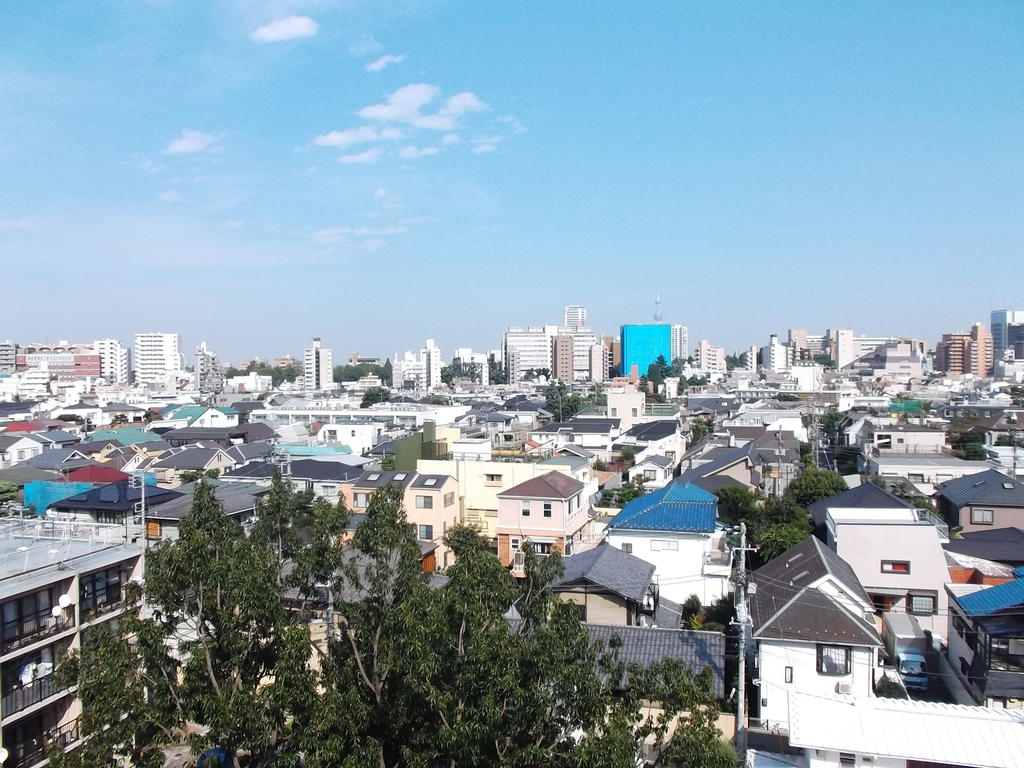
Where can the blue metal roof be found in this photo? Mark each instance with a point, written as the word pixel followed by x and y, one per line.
pixel 677 507
pixel 994 599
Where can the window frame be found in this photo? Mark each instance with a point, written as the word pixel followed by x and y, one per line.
pixel 890 567
pixel 425 527
pixel 424 502
pixel 910 604
pixel 360 496
pixel 991 516
pixel 547 508
pixel 820 656
pixel 524 508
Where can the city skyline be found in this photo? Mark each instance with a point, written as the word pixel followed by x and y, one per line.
pixel 762 163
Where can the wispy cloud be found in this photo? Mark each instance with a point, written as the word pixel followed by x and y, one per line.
pixel 411 152
pixel 389 58
pixel 362 158
pixel 405 104
pixel 481 149
pixel 363 134
pixel 340 235
pixel 365 45
pixel 189 141
pixel 512 122
pixel 372 245
pixel 450 138
pixel 171 196
pixel 288 28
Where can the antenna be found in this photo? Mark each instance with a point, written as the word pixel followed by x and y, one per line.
pixel 657 308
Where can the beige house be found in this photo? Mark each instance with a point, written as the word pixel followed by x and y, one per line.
pixel 612 587
pixel 170 467
pixel 431 503
pixel 981 502
pixel 551 511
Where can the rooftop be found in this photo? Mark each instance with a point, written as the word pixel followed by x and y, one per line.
pixel 611 568
pixel 551 485
pixel 683 508
pixel 989 487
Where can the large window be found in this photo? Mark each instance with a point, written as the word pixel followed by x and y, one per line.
pixel 833 659
pixel 650 474
pixel 100 591
pixel 424 502
pixel 922 605
pixel 666 544
pixel 426 532
pixel 982 516
pixel 449 499
pixel 25 617
pixel 359 500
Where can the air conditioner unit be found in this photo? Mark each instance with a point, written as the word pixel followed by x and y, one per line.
pixel 844 688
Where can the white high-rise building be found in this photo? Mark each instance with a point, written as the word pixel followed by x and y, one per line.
pixel 318 367
pixel 156 357
pixel 527 348
pixel 680 342
pixel 113 360
pixel 467 355
pixel 432 364
pixel 574 316
pixel 775 355
pixel 422 372
pixel 709 358
pixel 209 374
pixel 1000 321
pixel 841 346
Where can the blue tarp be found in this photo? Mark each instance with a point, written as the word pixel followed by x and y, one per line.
pixel 40 494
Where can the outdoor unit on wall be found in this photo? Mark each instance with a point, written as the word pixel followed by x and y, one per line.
pixel 844 688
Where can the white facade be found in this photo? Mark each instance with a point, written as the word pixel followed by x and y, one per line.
pixel 708 358
pixel 598 363
pixel 775 355
pixel 421 372
pixel 156 357
pixel 527 348
pixel 679 342
pixel 574 316
pixel 684 563
pixel 358 437
pixel 113 360
pixel 467 355
pixel 318 367
pixel 841 346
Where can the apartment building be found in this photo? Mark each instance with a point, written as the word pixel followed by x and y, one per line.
pixel 156 356
pixel 680 342
pixel 960 353
pixel 58 580
pixel 208 370
pixel 113 360
pixel 709 358
pixel 317 367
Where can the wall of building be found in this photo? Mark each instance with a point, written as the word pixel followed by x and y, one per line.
pixel 601 608
pixel 679 572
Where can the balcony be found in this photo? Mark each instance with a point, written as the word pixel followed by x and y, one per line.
pixel 42 625
pixel 26 755
pixel 926 516
pixel 29 695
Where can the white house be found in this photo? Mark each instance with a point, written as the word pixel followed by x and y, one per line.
pixel 812 631
pixel 655 470
pixel 676 530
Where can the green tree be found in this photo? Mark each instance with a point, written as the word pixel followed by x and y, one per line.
pixel 191 475
pixel 824 359
pixel 560 402
pixel 776 539
pixel 8 492
pixel 460 370
pixel 813 484
pixel 736 361
pixel 737 505
pixel 699 429
pixel 375 395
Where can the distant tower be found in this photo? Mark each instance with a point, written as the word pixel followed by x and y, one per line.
pixel 657 308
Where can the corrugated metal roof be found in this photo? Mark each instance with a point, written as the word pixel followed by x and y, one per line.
pixel 994 599
pixel 989 487
pixel 908 730
pixel 677 507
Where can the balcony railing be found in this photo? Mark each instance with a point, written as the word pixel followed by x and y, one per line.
pixel 926 516
pixel 27 755
pixel 46 624
pixel 29 695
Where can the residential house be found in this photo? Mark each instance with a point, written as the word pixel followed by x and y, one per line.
pixel 895 552
pixel 240 502
pixel 900 439
pixel 922 471
pixel 321 478
pixel 983 501
pixel 597 435
pixel 170 466
pixel 655 470
pixel 654 438
pixel 812 630
pixel 58 460
pixel 1000 545
pixel 551 511
pixel 740 465
pixel 676 529
pixel 53 588
pixel 187 435
pixel 17 447
pixel 118 503
pixel 201 416
pixel 358 436
pixel 431 503
pixel 864 496
pixel 985 644
pixel 609 586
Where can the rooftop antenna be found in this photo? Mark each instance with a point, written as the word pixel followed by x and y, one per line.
pixel 658 315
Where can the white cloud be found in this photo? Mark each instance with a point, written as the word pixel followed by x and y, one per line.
pixel 189 141
pixel 15 225
pixel 171 196
pixel 330 235
pixel 363 134
pixel 288 28
pixel 389 58
pixel 338 235
pixel 480 149
pixel 405 105
pixel 149 166
pixel 380 194
pixel 361 158
pixel 364 46
pixel 450 138
pixel 513 122
pixel 372 245
pixel 411 152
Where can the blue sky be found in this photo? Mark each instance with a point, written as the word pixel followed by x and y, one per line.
pixel 256 172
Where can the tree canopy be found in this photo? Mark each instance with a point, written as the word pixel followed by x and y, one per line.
pixel 397 671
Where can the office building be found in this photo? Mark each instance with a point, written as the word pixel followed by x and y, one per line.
pixel 1001 320
pixel 209 374
pixel 841 347
pixel 562 358
pixel 574 316
pixel 156 357
pixel 775 355
pixel 643 344
pixel 527 348
pixel 599 363
pixel 318 367
pixel 614 348
pixel 680 345
pixel 960 353
pixel 113 360
pixel 65 361
pixel 418 372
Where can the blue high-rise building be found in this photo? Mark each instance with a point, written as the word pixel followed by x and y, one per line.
pixel 642 344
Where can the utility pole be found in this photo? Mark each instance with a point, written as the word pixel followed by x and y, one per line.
pixel 742 618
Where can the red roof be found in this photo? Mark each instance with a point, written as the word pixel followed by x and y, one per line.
pixel 23 426
pixel 95 474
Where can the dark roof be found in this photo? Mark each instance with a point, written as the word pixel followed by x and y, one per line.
pixel 661 461
pixel 715 483
pixel 990 488
pixel 190 458
pixel 432 482
pixel 116 497
pixel 864 496
pixel 199 433
pixel 234 498
pixel 653 430
pixel 22 474
pixel 56 458
pixel 152 445
pixel 610 568
pixel 551 485
pixel 248 406
pixel 383 448
pixel 785 606
pixel 95 446
pixel 648 645
pixel 721 459
pixel 377 479
pixel 249 451
pixel 253 432
pixel 678 508
pixel 1002 545
pixel 311 469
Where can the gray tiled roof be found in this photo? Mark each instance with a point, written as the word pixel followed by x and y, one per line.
pixel 611 568
pixel 990 488
pixel 864 496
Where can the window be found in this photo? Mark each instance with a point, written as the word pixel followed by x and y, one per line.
pixel 789 674
pixel 426 532
pixel 923 605
pixel 615 412
pixel 100 590
pixel 959 626
pixel 833 660
pixel 634 411
pixel 847 760
pixel 895 566
pixel 650 474
pixel 449 499
pixel 664 544
pixel 525 508
pixel 430 481
pixel 25 616
pixel 492 478
pixel 982 516
pixel 627 548
pixel 514 544
pixel 965 668
pixel 915 478
pixel 401 476
pixel 359 500
pixel 424 502
pixel 374 476
pixel 582 610
pixel 547 509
